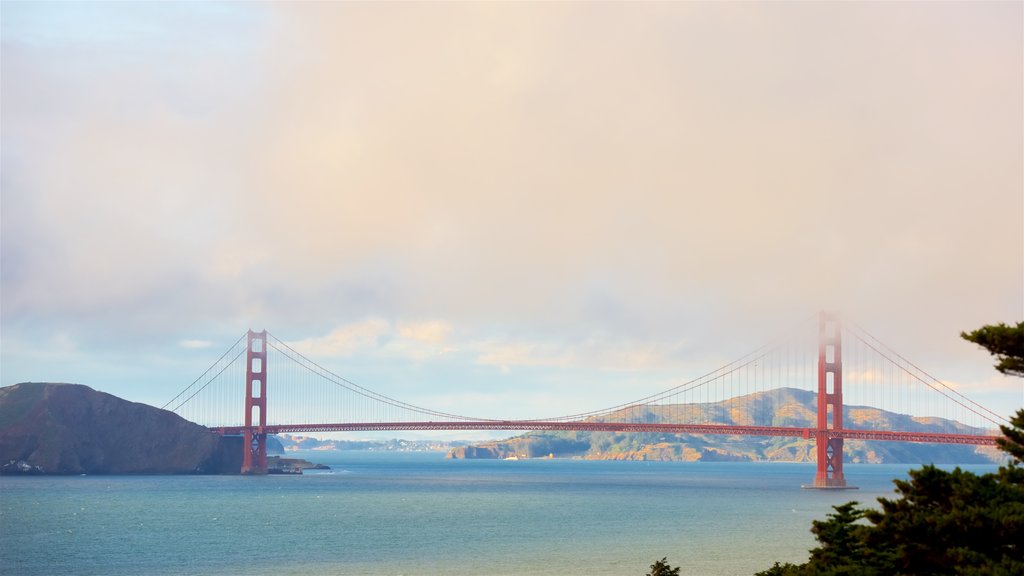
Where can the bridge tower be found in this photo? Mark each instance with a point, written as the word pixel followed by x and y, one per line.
pixel 254 448
pixel 830 403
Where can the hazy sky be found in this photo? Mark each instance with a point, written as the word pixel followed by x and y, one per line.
pixel 517 208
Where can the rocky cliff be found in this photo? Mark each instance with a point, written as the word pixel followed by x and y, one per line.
pixel 780 407
pixel 72 429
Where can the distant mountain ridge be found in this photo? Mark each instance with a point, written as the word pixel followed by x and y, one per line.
pixel 784 407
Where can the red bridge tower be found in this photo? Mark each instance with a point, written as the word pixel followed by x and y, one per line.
pixel 254 449
pixel 830 404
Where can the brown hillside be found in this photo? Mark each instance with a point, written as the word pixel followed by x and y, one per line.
pixel 73 429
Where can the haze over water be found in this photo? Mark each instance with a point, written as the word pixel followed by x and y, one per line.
pixel 417 513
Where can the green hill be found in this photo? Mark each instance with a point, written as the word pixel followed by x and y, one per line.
pixel 786 407
pixel 48 428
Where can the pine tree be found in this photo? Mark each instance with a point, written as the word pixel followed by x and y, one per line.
pixel 955 523
pixel 1004 342
pixel 662 568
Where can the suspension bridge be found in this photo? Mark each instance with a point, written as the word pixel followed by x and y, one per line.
pixel 852 373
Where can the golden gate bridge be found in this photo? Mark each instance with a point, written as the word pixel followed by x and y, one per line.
pixel 852 373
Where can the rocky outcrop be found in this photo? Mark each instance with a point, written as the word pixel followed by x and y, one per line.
pixel 72 429
pixel 531 446
pixel 280 465
pixel 489 450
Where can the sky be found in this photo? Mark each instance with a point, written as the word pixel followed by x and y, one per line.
pixel 504 209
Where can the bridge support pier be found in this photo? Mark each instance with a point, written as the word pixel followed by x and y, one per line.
pixel 830 403
pixel 254 446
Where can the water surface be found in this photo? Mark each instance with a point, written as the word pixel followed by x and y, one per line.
pixel 418 513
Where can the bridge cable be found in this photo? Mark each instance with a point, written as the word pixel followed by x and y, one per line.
pixel 212 366
pixel 742 362
pixel 226 366
pixel 999 419
pixel 365 392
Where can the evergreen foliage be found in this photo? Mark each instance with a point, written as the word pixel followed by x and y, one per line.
pixel 1004 342
pixel 662 568
pixel 1007 344
pixel 1012 441
pixel 955 523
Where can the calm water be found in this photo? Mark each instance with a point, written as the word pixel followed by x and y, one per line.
pixel 401 513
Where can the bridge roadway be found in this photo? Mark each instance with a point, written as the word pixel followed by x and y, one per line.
pixel 546 426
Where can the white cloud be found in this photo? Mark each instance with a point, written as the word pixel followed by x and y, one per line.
pixel 521 354
pixel 597 352
pixel 346 340
pixel 195 344
pixel 998 382
pixel 434 332
pixel 63 343
pixel 381 338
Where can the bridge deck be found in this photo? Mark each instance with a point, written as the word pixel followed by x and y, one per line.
pixel 544 426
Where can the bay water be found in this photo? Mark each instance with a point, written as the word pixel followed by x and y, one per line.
pixel 398 513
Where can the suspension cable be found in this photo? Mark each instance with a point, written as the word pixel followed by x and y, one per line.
pixel 365 392
pixel 693 384
pixel 988 417
pixel 193 395
pixel 212 366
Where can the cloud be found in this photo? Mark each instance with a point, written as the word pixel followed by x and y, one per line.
pixel 432 339
pixel 599 353
pixel 523 170
pixel 996 382
pixel 195 344
pixel 533 174
pixel 346 340
pixel 380 338
pixel 434 332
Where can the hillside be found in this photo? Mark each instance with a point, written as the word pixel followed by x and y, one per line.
pixel 780 407
pixel 293 442
pixel 72 429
